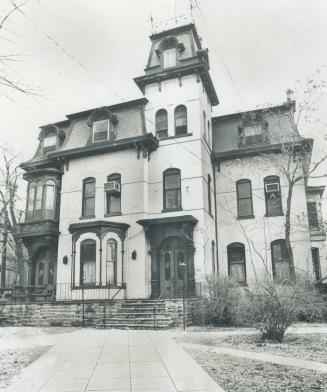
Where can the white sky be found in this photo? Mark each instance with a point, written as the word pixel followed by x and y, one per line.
pixel 257 49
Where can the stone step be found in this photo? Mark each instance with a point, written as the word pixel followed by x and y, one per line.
pixel 136 320
pixel 133 326
pixel 137 314
pixel 141 308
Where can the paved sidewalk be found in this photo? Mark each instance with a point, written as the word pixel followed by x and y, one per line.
pixel 112 361
pixel 272 358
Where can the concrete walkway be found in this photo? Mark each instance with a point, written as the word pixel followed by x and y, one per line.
pixel 264 357
pixel 113 360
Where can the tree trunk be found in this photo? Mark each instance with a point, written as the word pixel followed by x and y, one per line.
pixel 4 258
pixel 288 245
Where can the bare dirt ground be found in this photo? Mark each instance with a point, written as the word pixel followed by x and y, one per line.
pixel 20 346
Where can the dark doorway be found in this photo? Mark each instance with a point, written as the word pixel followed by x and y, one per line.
pixel 173 268
pixel 44 268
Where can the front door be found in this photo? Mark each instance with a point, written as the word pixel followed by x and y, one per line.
pixel 44 268
pixel 173 268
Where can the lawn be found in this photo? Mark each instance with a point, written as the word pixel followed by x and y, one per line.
pixel 240 374
pixel 20 346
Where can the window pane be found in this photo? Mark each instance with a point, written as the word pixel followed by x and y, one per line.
pixel 244 189
pixel 88 251
pixel 89 188
pixel 169 56
pixel 49 140
pixel 38 199
pixel 111 261
pixel 40 275
pixel 89 205
pixel 113 203
pixel 274 206
pixel 167 266
pixel 172 181
pixel 89 272
pixel 312 214
pixel 245 207
pixel 237 272
pixel 31 195
pixel 181 260
pixel 49 200
pixel 161 120
pixel 173 199
pixel 282 270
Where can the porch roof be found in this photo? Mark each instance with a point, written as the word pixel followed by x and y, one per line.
pixel 168 220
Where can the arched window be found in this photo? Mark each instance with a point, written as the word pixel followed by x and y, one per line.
pixel 236 262
pixel 244 199
pixel 162 123
pixel 273 196
pixel 172 189
pixel 113 194
pixel 87 262
pixel 111 265
pixel 180 120
pixel 213 257
pixel 88 199
pixel 280 260
pixel 170 53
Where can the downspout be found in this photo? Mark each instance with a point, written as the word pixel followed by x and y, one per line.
pixel 215 201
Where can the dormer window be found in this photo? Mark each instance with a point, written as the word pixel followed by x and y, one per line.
pixel 50 140
pixel 169 58
pixel 102 124
pixel 253 129
pixel 101 130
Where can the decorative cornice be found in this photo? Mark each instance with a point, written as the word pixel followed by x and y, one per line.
pixel 100 228
pixel 181 219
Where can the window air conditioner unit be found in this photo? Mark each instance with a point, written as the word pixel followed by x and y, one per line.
pixel 273 187
pixel 112 186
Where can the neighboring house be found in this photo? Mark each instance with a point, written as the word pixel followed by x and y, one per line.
pixel 130 198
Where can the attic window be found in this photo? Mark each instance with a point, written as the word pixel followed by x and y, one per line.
pixel 253 129
pixel 50 139
pixel 101 130
pixel 169 57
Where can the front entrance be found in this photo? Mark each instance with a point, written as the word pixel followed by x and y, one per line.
pixel 44 268
pixel 173 268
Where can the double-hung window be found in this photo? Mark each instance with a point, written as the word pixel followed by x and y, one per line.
pixel 88 202
pixel 172 189
pixel 244 199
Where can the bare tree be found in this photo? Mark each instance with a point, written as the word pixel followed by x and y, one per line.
pixel 9 215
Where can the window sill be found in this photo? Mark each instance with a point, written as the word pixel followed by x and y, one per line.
pixel 172 209
pixel 87 217
pixel 246 217
pixel 272 215
pixel 112 214
pixel 176 136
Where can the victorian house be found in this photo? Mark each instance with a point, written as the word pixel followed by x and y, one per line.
pixel 139 197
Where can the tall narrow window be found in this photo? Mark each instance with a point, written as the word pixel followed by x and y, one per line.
pixel 113 194
pixel 205 125
pixel 30 200
pixel 213 257
pixel 169 57
pixel 162 123
pixel 180 120
pixel 244 199
pixel 111 265
pixel 88 209
pixel 49 199
pixel 273 196
pixel 313 215
pixel 209 133
pixel 236 262
pixel 88 262
pixel 209 195
pixel 38 200
pixel 172 189
pixel 316 263
pixel 280 261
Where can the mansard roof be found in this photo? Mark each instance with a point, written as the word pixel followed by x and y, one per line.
pixel 76 130
pixel 280 128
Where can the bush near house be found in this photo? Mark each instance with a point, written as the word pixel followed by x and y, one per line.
pixel 270 306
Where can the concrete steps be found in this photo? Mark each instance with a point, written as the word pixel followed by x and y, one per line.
pixel 137 314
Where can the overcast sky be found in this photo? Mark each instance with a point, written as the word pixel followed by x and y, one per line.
pixel 257 48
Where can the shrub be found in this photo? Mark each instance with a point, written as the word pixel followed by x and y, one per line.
pixel 278 305
pixel 226 302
